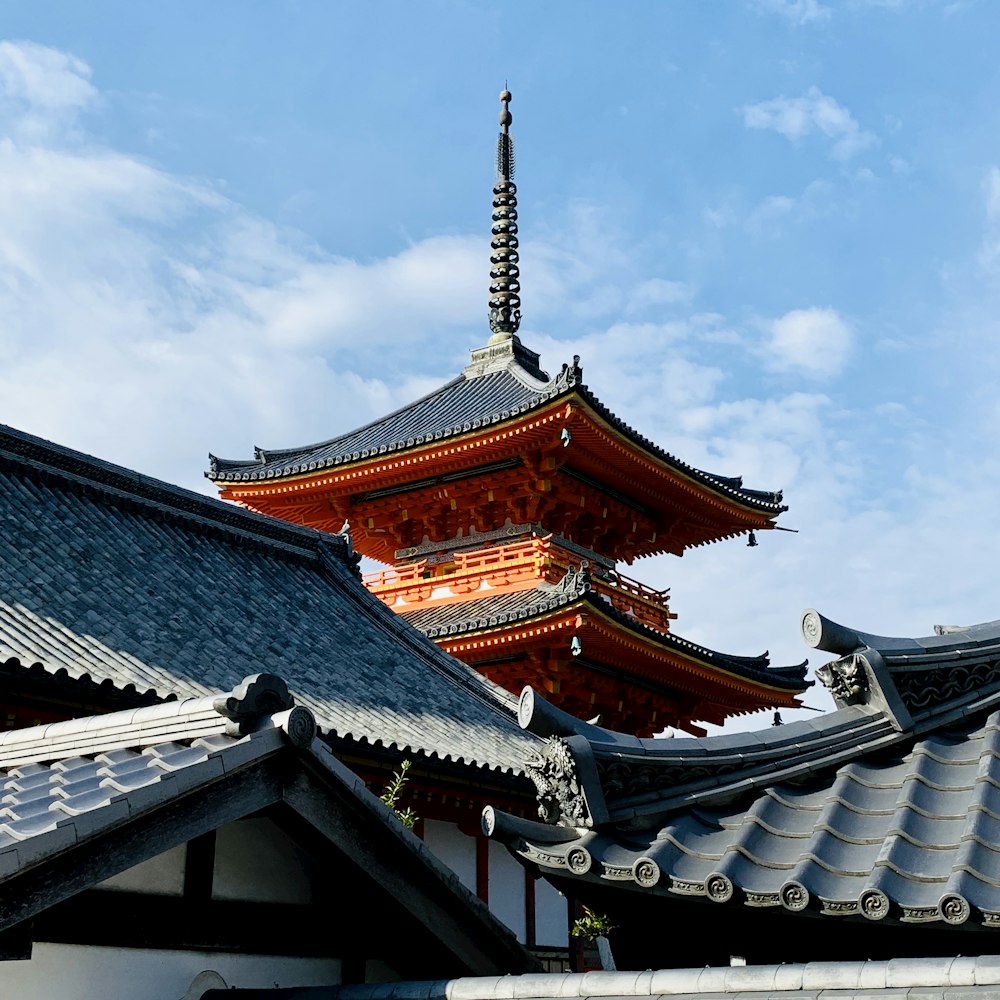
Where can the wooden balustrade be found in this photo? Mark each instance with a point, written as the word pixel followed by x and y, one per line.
pixel 533 560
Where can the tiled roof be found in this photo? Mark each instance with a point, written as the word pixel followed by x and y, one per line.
pixel 117 576
pixel 888 807
pixel 65 780
pixel 471 401
pixel 148 779
pixel 524 605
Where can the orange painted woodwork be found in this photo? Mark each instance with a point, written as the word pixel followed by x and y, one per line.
pixel 504 502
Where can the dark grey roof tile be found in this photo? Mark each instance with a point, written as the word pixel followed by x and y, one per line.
pixel 177 593
pixel 130 780
pixel 30 826
pixel 497 610
pixel 461 405
pixel 82 801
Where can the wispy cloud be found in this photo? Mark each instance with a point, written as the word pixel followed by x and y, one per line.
pixel 989 252
pixel 813 112
pixel 41 89
pixel 795 11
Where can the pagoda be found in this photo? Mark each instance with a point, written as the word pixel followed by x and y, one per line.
pixel 503 504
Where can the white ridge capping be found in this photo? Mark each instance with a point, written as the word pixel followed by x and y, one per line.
pixel 898 973
pixel 536 984
pixel 478 988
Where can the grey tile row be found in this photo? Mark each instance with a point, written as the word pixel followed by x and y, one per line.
pixel 178 594
pixel 912 834
pixel 459 406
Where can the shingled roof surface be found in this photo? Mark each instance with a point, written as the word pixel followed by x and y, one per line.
pixel 458 407
pixel 107 573
pixel 519 606
pixel 886 808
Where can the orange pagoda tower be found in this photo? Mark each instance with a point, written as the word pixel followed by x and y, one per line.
pixel 503 504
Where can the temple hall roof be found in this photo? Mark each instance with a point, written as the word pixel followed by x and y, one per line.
pixel 115 576
pixel 484 395
pixel 888 808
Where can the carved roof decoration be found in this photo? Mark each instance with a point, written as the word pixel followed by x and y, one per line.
pixel 888 808
pixel 483 396
pixel 112 575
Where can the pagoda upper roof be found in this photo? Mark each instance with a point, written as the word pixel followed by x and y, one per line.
pixel 887 807
pixel 487 393
pixel 111 575
pixel 521 607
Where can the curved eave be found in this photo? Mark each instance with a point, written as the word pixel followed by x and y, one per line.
pixel 823 834
pixel 334 736
pixel 710 669
pixel 289 461
pixel 498 434
pixel 719 663
pixel 396 466
pixel 724 488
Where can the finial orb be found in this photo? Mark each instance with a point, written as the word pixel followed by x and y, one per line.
pixel 505 96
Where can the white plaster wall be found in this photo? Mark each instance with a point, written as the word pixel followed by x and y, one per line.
pixel 162 875
pixel 77 972
pixel 550 917
pixel 507 889
pixel 256 862
pixel 454 848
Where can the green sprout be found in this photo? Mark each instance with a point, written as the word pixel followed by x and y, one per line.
pixel 394 790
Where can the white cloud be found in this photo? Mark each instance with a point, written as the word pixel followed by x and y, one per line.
pixel 40 89
pixel 796 11
pixel 813 112
pixel 654 292
pixel 814 342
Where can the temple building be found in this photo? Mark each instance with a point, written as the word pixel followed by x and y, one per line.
pixel 872 832
pixel 117 640
pixel 503 505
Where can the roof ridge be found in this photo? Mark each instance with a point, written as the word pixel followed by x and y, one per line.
pixel 479 687
pixel 263 455
pixel 236 713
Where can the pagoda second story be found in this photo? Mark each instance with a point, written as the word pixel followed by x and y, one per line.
pixel 504 502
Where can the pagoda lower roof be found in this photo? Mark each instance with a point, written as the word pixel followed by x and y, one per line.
pixel 888 808
pixel 473 401
pixel 521 607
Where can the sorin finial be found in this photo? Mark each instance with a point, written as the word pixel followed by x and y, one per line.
pixel 505 302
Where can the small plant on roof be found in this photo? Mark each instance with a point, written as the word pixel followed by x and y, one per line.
pixel 592 925
pixel 391 795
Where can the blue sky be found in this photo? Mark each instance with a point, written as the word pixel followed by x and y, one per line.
pixel 770 228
